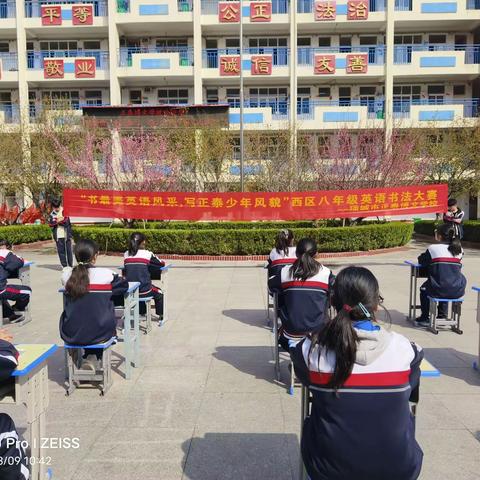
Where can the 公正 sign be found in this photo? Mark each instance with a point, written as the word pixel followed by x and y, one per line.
pixel 256 205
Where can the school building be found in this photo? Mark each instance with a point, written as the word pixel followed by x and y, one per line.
pixel 311 65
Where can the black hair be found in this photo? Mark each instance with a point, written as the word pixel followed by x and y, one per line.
pixel 305 265
pixel 79 281
pixel 5 243
pixel 448 234
pixel 452 202
pixel 136 239
pixel 56 202
pixel 283 241
pixel 355 293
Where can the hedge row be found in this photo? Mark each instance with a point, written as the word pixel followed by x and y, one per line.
pixel 16 234
pixel 471 229
pixel 251 241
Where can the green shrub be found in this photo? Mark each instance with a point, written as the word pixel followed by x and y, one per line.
pixel 251 241
pixel 471 229
pixel 25 233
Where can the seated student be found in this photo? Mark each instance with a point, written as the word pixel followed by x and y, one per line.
pixel 443 262
pixel 362 378
pixel 283 254
pixel 304 296
pixel 88 317
pixel 20 294
pixel 454 216
pixel 13 461
pixel 139 264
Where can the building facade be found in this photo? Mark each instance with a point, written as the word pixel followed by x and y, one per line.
pixel 315 65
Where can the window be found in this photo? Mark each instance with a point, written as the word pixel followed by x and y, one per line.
pixel 171 44
pixel 135 97
pixel 173 96
pixel 212 95
pixel 437 39
pixel 324 92
pixel 235 142
pixel 367 91
pixel 93 97
pixel 459 89
pixel 233 97
pixel 232 46
pixel 304 42
pixel 324 42
pixel 59 45
pixel 61 99
pixel 303 90
pixel 91 45
pixel 4 47
pixel 275 46
pixel 345 44
pixel 407 39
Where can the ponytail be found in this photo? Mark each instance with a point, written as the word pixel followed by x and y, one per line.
pixel 305 265
pixel 283 241
pixel 448 234
pixel 136 239
pixel 78 284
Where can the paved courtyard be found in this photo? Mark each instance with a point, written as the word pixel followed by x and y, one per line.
pixel 204 405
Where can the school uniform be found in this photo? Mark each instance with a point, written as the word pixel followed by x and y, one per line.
pixel 13 459
pixel 445 278
pixel 62 234
pixel 455 219
pixel 90 319
pixel 139 268
pixel 20 294
pixel 276 261
pixel 304 304
pixel 365 430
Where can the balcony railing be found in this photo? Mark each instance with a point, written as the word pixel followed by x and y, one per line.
pixel 9 61
pixel 280 55
pixel 35 59
pixel 306 6
pixel 7 9
pixel 210 7
pixel 403 5
pixel 473 4
pixel 11 112
pixel 402 107
pixel 123 6
pixel 185 54
pixel 403 53
pixel 376 53
pixel 37 111
pixel 33 7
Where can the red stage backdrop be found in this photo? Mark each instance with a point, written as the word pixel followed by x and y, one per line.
pixel 256 206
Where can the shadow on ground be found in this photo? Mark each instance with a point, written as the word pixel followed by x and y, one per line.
pixel 255 318
pixel 241 456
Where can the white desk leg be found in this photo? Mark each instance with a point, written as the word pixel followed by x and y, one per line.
pixel 478 321
pixel 165 298
pixel 127 322
pixel 136 330
pixel 24 277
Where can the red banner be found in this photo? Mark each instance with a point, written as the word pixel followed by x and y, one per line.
pixel 256 206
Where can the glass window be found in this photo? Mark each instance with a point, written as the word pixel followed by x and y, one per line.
pixel 173 96
pixel 324 91
pixel 91 45
pixel 459 89
pixel 324 42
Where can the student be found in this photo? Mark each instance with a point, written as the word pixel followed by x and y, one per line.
pixel 362 378
pixel 62 233
pixel 304 297
pixel 139 265
pixel 20 294
pixel 443 262
pixel 13 461
pixel 88 317
pixel 283 254
pixel 454 216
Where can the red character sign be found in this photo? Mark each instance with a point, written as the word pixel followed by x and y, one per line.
pixel 260 12
pixel 325 11
pixel 261 65
pixel 357 10
pixel 85 68
pixel 324 65
pixel 82 15
pixel 51 14
pixel 230 66
pixel 229 12
pixel 357 63
pixel 53 68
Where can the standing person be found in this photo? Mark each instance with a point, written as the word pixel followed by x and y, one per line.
pixel 283 254
pixel 454 217
pixel 443 261
pixel 62 233
pixel 20 294
pixel 139 265
pixel 88 314
pixel 304 294
pixel 362 378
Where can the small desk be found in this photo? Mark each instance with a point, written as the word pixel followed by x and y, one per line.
pixel 24 277
pixel 412 299
pixel 476 364
pixel 31 390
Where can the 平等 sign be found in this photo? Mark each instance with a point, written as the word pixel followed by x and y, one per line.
pixel 256 205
